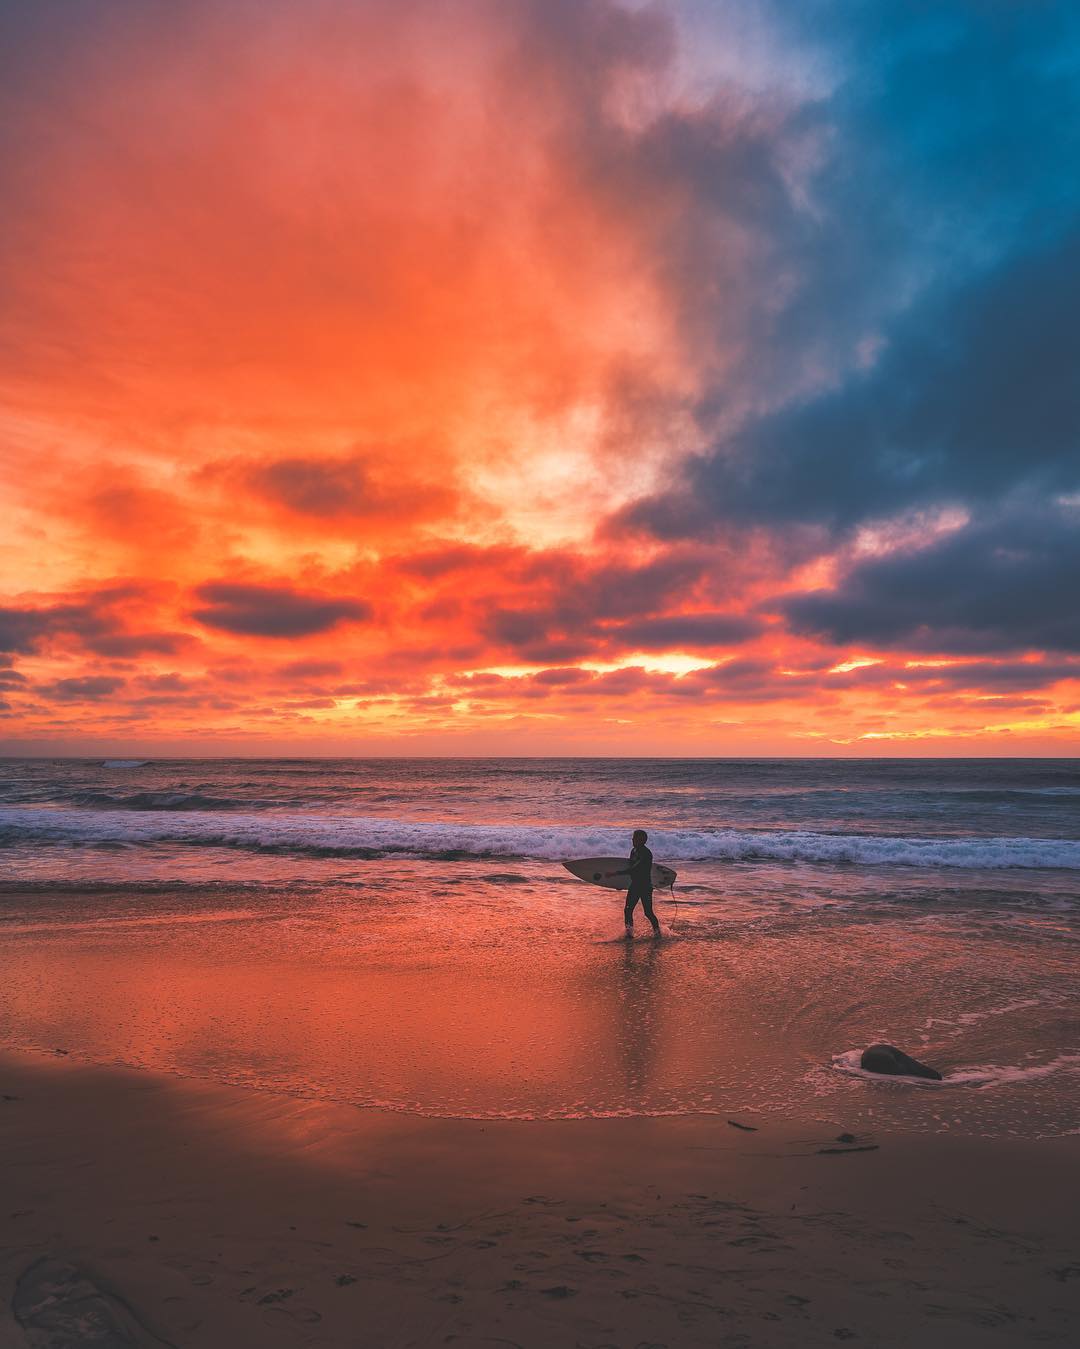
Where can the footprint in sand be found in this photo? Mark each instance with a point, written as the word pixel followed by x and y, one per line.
pixel 307 1316
pixel 974 1316
pixel 274 1308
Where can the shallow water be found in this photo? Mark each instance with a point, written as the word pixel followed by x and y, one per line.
pixel 285 938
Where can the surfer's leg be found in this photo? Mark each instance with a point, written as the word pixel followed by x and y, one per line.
pixel 647 909
pixel 632 898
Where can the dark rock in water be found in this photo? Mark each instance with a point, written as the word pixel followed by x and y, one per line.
pixel 845 1138
pixel 888 1059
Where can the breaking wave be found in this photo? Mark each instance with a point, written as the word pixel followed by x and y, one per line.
pixel 380 836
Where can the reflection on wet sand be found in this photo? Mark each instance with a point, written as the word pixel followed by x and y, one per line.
pixel 517 1004
pixel 638 1031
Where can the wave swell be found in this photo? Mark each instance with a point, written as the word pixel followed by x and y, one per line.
pixel 381 836
pixel 162 800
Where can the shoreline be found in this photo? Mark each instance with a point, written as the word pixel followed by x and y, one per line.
pixel 208 1216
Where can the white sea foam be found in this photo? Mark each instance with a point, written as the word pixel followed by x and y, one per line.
pixel 365 836
pixel 967 1019
pixel 977 1075
pixel 994 1075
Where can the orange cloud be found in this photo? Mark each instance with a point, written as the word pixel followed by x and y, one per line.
pixel 340 339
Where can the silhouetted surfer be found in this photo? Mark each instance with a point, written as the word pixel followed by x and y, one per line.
pixel 640 872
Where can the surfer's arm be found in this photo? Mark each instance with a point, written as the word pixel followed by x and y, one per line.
pixel 640 868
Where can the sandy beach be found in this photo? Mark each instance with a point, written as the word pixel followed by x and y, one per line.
pixel 165 1211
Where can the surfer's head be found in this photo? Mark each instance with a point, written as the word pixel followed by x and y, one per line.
pixel 640 837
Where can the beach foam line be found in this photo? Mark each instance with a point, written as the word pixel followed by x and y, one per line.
pixel 995 1074
pixel 977 1075
pixel 382 836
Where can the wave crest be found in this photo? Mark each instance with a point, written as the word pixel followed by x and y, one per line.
pixel 380 836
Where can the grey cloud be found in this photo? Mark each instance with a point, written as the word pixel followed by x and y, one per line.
pixel 84 688
pixel 315 487
pixel 1003 583
pixel 90 620
pixel 978 392
pixel 274 611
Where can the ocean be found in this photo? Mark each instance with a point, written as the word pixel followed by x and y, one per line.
pixel 399 933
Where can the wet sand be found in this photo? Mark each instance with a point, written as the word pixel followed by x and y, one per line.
pixel 177 1212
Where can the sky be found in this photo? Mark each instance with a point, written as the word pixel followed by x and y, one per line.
pixel 539 376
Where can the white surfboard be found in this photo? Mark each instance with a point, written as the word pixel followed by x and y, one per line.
pixel 595 869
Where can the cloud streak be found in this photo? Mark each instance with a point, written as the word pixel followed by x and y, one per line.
pixel 273 611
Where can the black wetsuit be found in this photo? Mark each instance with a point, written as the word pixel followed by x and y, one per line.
pixel 640 887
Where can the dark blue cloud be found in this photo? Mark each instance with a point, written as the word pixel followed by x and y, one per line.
pixel 91 622
pixel 978 393
pixel 929 290
pixel 126 645
pixel 957 132
pixel 274 611
pixel 84 688
pixel 580 613
pixel 1004 583
pixel 22 629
